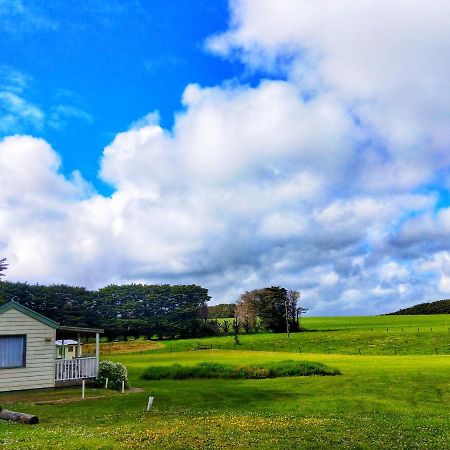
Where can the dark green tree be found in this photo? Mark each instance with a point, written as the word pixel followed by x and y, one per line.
pixel 123 311
pixel 149 310
pixel 272 308
pixel 67 305
pixel 221 311
pixel 3 266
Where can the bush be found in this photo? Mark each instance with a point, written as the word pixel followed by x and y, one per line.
pixel 291 368
pixel 115 372
pixel 217 370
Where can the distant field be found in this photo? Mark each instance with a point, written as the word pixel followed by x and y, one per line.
pixel 367 322
pixel 381 400
pixel 107 348
pixel 378 335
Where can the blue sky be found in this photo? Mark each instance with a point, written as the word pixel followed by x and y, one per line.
pixel 113 62
pixel 233 144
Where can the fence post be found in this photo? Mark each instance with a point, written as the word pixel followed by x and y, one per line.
pixel 97 352
pixel 106 383
pixel 150 403
pixel 83 384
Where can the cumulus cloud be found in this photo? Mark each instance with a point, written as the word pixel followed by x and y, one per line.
pixel 326 178
pixel 385 61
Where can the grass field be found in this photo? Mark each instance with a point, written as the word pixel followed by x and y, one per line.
pixel 379 335
pixel 379 401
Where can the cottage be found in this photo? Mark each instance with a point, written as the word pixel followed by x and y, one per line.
pixel 68 349
pixel 27 351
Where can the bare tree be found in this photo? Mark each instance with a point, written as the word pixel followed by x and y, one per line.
pixel 247 310
pixel 293 310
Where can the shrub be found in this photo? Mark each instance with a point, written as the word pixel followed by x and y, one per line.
pixel 216 370
pixel 115 372
pixel 291 368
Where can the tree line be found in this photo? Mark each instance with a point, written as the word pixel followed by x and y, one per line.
pixel 136 310
pixel 274 308
pixel 221 311
pixel 437 307
pixel 131 310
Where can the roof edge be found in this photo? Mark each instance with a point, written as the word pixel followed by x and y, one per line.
pixel 29 312
pixel 81 329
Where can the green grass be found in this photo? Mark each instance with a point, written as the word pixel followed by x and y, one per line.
pixel 425 322
pixel 379 401
pixel 380 335
pixel 204 369
pixel 367 322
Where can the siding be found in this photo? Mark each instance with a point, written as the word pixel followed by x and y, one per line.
pixel 40 355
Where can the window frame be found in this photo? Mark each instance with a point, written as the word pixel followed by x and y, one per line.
pixel 24 350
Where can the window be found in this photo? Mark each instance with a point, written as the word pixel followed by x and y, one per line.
pixel 12 351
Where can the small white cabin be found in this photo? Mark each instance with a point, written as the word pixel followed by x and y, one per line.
pixel 27 351
pixel 68 349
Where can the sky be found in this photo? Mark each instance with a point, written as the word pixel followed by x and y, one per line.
pixel 235 145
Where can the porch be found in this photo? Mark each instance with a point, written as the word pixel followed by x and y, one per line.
pixel 71 370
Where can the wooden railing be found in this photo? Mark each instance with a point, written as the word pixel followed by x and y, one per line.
pixel 75 369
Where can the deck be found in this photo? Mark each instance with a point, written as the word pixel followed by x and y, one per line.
pixel 76 369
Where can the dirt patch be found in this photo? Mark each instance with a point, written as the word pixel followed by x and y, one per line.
pixel 61 396
pixel 116 348
pixel 77 400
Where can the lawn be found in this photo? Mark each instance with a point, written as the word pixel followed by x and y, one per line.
pixel 424 322
pixel 378 335
pixel 379 401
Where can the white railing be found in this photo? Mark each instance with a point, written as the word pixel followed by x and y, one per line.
pixel 75 369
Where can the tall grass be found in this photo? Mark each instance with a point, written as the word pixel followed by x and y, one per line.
pixel 276 369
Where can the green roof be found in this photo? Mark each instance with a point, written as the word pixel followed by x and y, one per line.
pixel 29 312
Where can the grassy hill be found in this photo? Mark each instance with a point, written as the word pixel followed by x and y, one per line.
pixel 437 307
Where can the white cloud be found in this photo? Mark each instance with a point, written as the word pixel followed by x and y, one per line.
pixel 385 61
pixel 329 279
pixel 392 270
pixel 17 17
pixel 61 114
pixel 19 114
pixel 16 112
pixel 325 180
